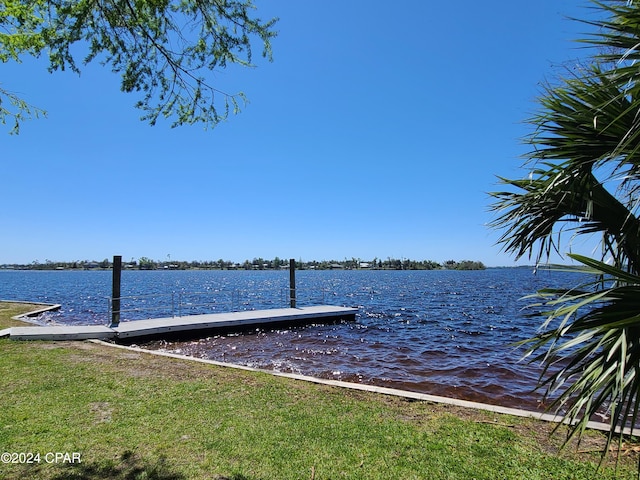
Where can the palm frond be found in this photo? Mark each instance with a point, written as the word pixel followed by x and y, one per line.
pixel 590 347
pixel 584 179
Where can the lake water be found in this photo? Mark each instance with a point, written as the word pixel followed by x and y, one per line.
pixel 439 332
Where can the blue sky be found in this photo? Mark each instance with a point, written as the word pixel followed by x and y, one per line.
pixel 377 131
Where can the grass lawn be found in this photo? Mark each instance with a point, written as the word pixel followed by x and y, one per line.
pixel 131 415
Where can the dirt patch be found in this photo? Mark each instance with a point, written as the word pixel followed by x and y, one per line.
pixel 102 411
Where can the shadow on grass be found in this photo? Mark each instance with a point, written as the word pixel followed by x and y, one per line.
pixel 128 466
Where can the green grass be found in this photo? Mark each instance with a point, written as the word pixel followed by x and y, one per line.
pixel 132 415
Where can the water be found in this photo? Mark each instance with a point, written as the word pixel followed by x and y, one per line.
pixel 439 332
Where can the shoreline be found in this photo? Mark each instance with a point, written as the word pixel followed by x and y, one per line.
pixel 406 394
pixel 542 416
pixel 27 316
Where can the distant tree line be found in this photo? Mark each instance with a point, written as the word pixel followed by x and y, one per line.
pixel 145 263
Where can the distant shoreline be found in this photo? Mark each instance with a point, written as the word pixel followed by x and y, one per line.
pixel 258 264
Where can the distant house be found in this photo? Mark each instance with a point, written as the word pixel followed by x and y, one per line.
pixel 335 266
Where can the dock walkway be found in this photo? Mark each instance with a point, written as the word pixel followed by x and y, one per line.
pixel 186 325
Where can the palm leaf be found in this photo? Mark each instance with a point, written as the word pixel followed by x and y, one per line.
pixel 591 354
pixel 584 179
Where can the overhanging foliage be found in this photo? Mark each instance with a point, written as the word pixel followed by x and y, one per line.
pixel 163 50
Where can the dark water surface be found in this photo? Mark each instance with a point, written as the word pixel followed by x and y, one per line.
pixel 439 332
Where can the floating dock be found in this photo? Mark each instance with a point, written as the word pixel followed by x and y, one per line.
pixel 191 325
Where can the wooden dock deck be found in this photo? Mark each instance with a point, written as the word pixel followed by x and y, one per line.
pixel 188 325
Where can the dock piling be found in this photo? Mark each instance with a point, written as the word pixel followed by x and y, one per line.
pixel 115 290
pixel 292 283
